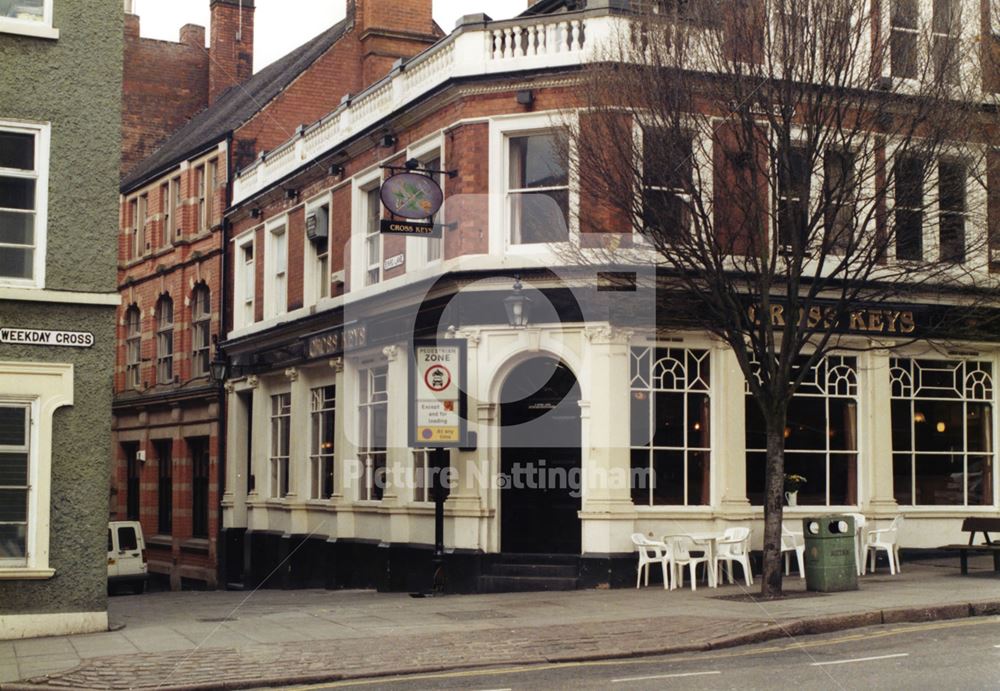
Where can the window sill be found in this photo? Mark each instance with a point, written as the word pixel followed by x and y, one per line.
pixel 198 545
pixel 25 574
pixel 162 541
pixel 28 29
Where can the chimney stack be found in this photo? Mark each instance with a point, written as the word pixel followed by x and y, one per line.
pixel 389 30
pixel 231 48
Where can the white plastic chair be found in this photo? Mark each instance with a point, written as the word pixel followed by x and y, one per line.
pixel 885 539
pixel 793 542
pixel 651 552
pixel 734 546
pixel 859 542
pixel 681 556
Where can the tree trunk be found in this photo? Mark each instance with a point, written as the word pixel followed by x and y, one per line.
pixel 774 495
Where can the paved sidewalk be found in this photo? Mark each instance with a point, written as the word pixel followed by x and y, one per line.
pixel 238 640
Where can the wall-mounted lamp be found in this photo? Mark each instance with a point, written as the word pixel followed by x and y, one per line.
pixel 336 170
pixel 218 368
pixel 525 97
pixel 388 141
pixel 518 306
pixel 255 213
pixel 291 194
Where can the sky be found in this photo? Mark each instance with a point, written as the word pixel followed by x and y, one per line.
pixel 282 25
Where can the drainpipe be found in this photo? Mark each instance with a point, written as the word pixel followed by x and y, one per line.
pixel 220 549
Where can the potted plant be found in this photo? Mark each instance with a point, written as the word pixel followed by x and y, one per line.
pixel 792 484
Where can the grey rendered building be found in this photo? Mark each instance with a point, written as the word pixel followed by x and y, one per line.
pixel 60 100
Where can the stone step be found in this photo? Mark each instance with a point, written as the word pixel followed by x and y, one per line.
pixel 524 584
pixel 533 558
pixel 531 570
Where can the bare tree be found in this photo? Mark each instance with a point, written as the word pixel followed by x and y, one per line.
pixel 783 162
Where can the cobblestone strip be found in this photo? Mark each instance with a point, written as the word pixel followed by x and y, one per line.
pixel 330 660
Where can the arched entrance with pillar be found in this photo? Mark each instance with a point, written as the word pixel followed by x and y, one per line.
pixel 540 458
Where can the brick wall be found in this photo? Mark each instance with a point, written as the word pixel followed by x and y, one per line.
pixel 164 85
pixel 231 45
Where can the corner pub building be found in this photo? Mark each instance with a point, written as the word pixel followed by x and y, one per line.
pixel 323 311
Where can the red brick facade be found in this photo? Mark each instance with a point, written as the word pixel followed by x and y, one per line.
pixel 179 246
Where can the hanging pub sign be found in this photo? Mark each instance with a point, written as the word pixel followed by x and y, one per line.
pixel 437 393
pixel 412 199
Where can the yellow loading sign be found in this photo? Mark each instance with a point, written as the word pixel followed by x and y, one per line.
pixel 437 394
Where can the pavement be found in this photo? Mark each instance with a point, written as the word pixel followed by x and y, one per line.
pixel 224 640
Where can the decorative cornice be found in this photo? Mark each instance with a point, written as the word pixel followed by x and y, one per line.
pixel 391 352
pixel 337 364
pixel 292 373
pixel 608 335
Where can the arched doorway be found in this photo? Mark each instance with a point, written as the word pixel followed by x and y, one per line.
pixel 540 458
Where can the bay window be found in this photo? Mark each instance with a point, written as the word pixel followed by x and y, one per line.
pixel 670 426
pixel 942 432
pixel 821 435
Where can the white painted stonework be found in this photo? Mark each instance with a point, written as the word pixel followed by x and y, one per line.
pixel 17 626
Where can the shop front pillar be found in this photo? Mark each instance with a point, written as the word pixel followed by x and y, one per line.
pixel 464 508
pixel 877 498
pixel 607 511
pixel 729 452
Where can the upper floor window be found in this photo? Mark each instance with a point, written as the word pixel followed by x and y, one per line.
pixel 211 186
pixel 666 178
pixel 904 21
pixel 317 268
pixel 201 328
pixel 200 182
pixel 793 197
pixel 174 227
pixel 27 17
pixel 133 347
pixel 276 270
pixel 434 245
pixel 538 188
pixel 911 54
pixel 165 210
pixel 165 340
pixel 246 281
pixel 373 236
pixel 945 40
pixel 919 185
pixel 23 203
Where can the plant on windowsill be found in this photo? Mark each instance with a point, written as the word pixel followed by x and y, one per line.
pixel 793 483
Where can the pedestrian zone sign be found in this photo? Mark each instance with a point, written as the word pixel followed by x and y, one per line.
pixel 437 393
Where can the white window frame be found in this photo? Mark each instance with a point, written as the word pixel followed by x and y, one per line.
pixel 318 456
pixel 367 402
pixel 42 134
pixel 246 280
pixel 29 27
pixel 176 211
pixel 967 35
pixel 46 387
pixel 201 325
pixel 165 335
pixel 201 183
pixel 133 349
pixel 279 465
pixel 422 476
pixel 276 267
pixel 502 128
pixel 965 399
pixel 417 248
pixel 359 246
pixel 312 270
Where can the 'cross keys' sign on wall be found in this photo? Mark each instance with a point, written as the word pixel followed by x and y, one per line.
pixel 437 393
pixel 412 199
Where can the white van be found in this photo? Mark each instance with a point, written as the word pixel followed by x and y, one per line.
pixel 126 556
